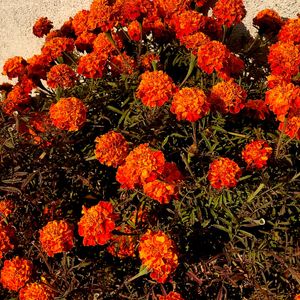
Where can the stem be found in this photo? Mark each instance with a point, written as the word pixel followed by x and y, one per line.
pixel 190 70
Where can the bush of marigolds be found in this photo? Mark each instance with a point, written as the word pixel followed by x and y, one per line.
pixel 149 151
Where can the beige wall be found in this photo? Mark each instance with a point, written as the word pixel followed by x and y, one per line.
pixel 17 18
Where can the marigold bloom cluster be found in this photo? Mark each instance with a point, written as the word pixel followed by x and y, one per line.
pixel 6 208
pixel 171 296
pixel 190 104
pixel 228 96
pixel 291 126
pixel 97 223
pixel 160 191
pixel 268 21
pixel 111 149
pixel 14 67
pixel 84 42
pixel 103 45
pixel 290 31
pixel 135 31
pixel 259 107
pixel 92 65
pixel 167 8
pixel 141 165
pixel 7 233
pixel 38 66
pixel 42 26
pixel 122 64
pixel 61 76
pixel 55 47
pixel 68 114
pixel 297 297
pixel 223 173
pixel 79 22
pixel 155 88
pixel 15 273
pixel 158 253
pixel 256 154
pixel 194 41
pixel 147 60
pixel 36 291
pixel 57 237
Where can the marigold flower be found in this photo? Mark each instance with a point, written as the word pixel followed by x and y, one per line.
pixel 135 31
pixel 130 10
pixel 84 42
pixel 57 237
pixel 200 3
pixel 167 8
pixel 161 191
pixel 223 172
pixel 142 165
pixel 97 223
pixel 6 208
pixel 53 34
pixel 194 41
pixel 67 28
pixel 61 76
pixel 259 107
pixel 55 47
pixel 15 273
pixel 36 291
pixel 190 104
pixel 275 80
pixel 171 174
pixel 79 21
pixel 256 154
pixel 171 296
pixel 268 21
pixel 156 26
pixel 42 26
pixel 111 149
pixel 68 114
pixel 290 31
pixel 103 45
pixel 297 297
pixel 38 66
pixel 291 126
pixel 158 253
pixel 155 88
pixel 122 64
pixel 147 60
pixel 228 96
pixel 7 234
pixel 14 67
pixel 229 12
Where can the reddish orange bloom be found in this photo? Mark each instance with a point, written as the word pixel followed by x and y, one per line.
pixel 297 297
pixel 122 64
pixel 57 46
pixel 103 45
pixel 167 8
pixel 156 26
pixel 275 80
pixel 161 191
pixel 290 31
pixel 61 76
pixel 147 60
pixel 194 41
pixel 68 114
pixel 67 28
pixel 256 154
pixel 291 126
pixel 190 104
pixel 41 27
pixel 79 22
pixel 130 10
pixel 36 291
pixel 223 172
pixel 259 107
pixel 158 253
pixel 14 67
pixel 142 165
pixel 6 208
pixel 228 96
pixel 135 31
pixel 53 34
pixel 38 66
pixel 111 149
pixel 155 88
pixel 229 12
pixel 171 296
pixel 15 273
pixel 97 223
pixel 268 21
pixel 85 41
pixel 57 237
pixel 7 234
pixel 171 174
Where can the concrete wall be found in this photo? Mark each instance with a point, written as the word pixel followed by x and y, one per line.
pixel 17 18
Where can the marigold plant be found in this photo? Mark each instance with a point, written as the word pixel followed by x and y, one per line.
pixel 171 296
pixel 34 291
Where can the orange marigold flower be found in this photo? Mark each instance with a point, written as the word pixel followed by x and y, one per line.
pixel 259 107
pixel 155 88
pixel 190 104
pixel 111 149
pixel 268 21
pixel 281 98
pixel 103 45
pixel 291 126
pixel 84 42
pixel 57 46
pixel 194 41
pixel 229 12
pixel 290 31
pixel 161 191
pixel 135 31
pixel 171 296
pixel 200 3
pixel 79 21
pixel 256 154
pixel 158 253
pixel 284 59
pixel 97 223
pixel 147 60
pixel 15 273
pixel 167 8
pixel 171 174
pixel 38 66
pixel 36 291
pixel 61 76
pixel 67 28
pixel 224 172
pixel 130 10
pixel 53 34
pixel 228 96
pixel 297 297
pixel 14 67
pixel 41 27
pixel 68 114
pixel 142 165
pixel 275 80
pixel 57 237
pixel 122 64
pixel 6 208
pixel 156 26
pixel 7 234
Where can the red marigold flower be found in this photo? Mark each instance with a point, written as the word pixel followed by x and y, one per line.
pixel 61 76
pixel 15 273
pixel 297 297
pixel 57 46
pixel 155 88
pixel 256 154
pixel 171 174
pixel 38 66
pixel 57 237
pixel 103 45
pixel 156 26
pixel 212 28
pixel 171 296
pixel 147 60
pixel 275 80
pixel 36 291
pixel 167 8
pixel 97 223
pixel 79 21
pixel 84 42
pixel 161 191
pixel 190 104
pixel 290 31
pixel 14 67
pixel 67 28
pixel 68 114
pixel 130 10
pixel 135 31
pixel 6 208
pixel 284 59
pixel 158 253
pixel 268 21
pixel 259 107
pixel 53 34
pixel 142 165
pixel 291 126
pixel 122 64
pixel 223 172
pixel 111 149
pixel 229 12
pixel 200 3
pixel 7 233
pixel 194 41
pixel 228 96
pixel 42 26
